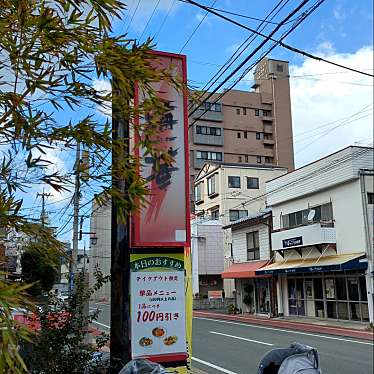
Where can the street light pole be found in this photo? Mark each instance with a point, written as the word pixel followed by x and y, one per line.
pixel 74 255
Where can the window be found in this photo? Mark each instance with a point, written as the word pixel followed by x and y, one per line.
pixel 204 130
pixel 212 185
pixel 280 68
pixel 259 159
pixel 268 160
pixel 257 112
pixel 268 136
pixel 213 107
pixel 322 213
pixel 258 135
pixel 268 146
pixel 234 182
pixel 370 197
pixel 239 158
pixel 215 215
pixel 253 248
pixel 237 110
pixel 246 158
pixel 234 214
pixel 252 183
pixel 265 113
pixel 198 192
pixel 245 111
pixel 238 135
pixel 245 134
pixel 204 155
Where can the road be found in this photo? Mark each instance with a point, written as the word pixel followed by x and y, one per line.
pixel 236 348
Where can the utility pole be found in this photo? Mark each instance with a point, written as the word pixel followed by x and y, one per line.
pixel 43 214
pixel 74 256
pixel 120 323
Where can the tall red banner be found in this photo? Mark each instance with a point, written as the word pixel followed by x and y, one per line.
pixel 164 221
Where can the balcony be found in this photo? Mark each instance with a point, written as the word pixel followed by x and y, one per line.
pixel 268 141
pixel 208 139
pixel 209 115
pixel 267 118
pixel 303 236
pixel 268 129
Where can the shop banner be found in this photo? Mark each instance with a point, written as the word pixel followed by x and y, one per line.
pixel 164 221
pixel 158 325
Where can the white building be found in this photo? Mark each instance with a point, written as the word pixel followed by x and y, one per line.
pixel 100 247
pixel 251 250
pixel 207 256
pixel 228 192
pixel 323 237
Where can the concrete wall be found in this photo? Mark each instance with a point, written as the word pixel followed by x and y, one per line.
pixel 207 251
pixel 347 212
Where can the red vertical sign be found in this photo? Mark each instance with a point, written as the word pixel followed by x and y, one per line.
pixel 165 219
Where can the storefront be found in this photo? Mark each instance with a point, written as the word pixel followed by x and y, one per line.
pixel 253 292
pixel 329 290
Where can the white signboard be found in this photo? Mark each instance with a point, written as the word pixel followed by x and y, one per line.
pixel 157 307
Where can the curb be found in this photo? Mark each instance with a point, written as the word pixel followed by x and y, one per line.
pixel 339 331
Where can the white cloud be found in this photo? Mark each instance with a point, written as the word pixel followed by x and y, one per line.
pixel 339 13
pixel 321 99
pixel 104 87
pixel 56 165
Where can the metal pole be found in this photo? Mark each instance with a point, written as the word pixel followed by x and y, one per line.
pixel 74 255
pixel 120 341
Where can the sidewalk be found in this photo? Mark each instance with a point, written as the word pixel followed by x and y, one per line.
pixel 307 325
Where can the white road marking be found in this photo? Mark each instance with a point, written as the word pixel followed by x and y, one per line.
pixel 240 338
pixel 288 331
pixel 213 366
pixel 101 324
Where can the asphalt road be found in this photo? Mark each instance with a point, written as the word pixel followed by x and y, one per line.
pixel 236 348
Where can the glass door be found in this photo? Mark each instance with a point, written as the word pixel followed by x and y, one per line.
pixel 263 296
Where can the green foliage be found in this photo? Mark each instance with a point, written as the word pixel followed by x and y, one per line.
pixel 62 346
pixel 37 270
pixel 50 53
pixel 12 296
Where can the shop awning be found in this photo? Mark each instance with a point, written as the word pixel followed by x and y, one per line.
pixel 312 265
pixel 244 270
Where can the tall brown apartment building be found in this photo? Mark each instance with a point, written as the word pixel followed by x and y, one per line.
pixel 249 127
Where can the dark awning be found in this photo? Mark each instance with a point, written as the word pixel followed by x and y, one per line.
pixel 352 261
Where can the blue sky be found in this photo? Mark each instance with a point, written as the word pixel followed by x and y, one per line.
pixel 345 24
pixel 331 108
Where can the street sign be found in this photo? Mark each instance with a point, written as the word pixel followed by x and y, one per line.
pixel 158 324
pixel 164 221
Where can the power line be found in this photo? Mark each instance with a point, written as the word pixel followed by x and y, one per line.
pixel 304 178
pixel 196 28
pixel 243 46
pixel 132 17
pixel 165 18
pixel 149 19
pixel 241 15
pixel 279 42
pixel 253 53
